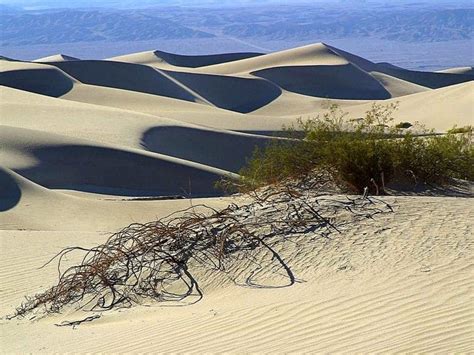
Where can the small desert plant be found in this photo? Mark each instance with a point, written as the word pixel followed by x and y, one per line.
pixel 367 152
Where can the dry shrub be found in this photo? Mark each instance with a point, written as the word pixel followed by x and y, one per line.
pixel 155 261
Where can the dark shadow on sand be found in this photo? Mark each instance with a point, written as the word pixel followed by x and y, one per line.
pixel 117 172
pixel 222 150
pixel 49 82
pixel 10 192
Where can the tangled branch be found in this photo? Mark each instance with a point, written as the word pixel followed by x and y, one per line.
pixel 154 261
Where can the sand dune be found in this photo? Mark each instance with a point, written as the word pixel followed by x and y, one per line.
pixel 231 93
pixel 439 109
pixel 22 206
pixel 126 76
pixel 314 54
pixel 461 70
pixel 91 167
pixel 326 81
pixel 433 80
pixel 397 87
pixel 38 78
pixel 88 147
pixel 383 286
pixel 166 60
pixel 108 126
pixel 56 58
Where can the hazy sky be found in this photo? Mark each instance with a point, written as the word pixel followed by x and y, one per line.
pixel 140 3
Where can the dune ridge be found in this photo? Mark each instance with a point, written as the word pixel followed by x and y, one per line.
pixel 191 109
pixel 169 60
pixel 90 146
pixel 56 58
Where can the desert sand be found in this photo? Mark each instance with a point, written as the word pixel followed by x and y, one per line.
pixel 88 147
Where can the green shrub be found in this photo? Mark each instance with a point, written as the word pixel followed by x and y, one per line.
pixel 368 152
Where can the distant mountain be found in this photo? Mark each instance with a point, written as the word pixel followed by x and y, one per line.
pixel 69 26
pixel 420 23
pixel 410 26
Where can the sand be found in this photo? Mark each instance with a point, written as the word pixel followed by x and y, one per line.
pixel 401 283
pixel 88 147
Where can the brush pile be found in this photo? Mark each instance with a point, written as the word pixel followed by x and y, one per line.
pixel 155 261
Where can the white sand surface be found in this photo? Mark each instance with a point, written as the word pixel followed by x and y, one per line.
pixel 88 147
pixel 399 283
pixel 55 58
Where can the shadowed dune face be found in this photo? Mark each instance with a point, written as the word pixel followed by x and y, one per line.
pixel 116 172
pixel 237 94
pixel 196 61
pixel 327 81
pixel 224 150
pixel 44 81
pixel 125 76
pixel 232 93
pixel 431 80
pixel 10 192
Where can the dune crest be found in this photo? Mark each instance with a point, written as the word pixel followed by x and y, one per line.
pixel 56 58
pixel 167 60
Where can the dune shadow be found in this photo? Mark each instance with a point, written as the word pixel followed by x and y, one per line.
pixel 428 79
pixel 10 192
pixel 116 172
pixel 50 82
pixel 196 61
pixel 125 76
pixel 328 81
pixel 224 150
pixel 232 93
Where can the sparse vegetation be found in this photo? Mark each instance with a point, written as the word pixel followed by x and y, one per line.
pixel 369 152
pixel 156 261
pixel 404 125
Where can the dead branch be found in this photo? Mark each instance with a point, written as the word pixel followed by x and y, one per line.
pixel 154 261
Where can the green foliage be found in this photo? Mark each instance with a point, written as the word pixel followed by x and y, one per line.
pixel 465 129
pixel 404 125
pixel 367 152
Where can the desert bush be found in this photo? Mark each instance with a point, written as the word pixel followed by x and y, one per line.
pixel 157 261
pixel 367 152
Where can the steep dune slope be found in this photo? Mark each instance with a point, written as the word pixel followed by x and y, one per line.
pixel 323 71
pixel 433 80
pixel 37 78
pixel 326 81
pixel 125 76
pixel 166 60
pixel 108 126
pixel 314 54
pixel 231 93
pixel 59 162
